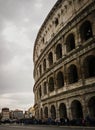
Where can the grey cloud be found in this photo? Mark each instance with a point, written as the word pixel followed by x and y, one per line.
pixel 17 100
pixel 5 54
pixel 20 21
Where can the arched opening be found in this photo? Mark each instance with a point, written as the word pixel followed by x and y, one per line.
pixel 51 84
pixel 53 112
pixel 91 107
pixel 59 51
pixel 44 65
pixel 43 40
pixel 72 74
pixel 56 22
pixel 50 58
pixel 60 80
pixel 40 69
pixel 70 42
pixel 89 67
pixel 46 112
pixel 38 94
pixel 62 110
pixel 45 88
pixel 41 113
pixel 86 31
pixel 76 110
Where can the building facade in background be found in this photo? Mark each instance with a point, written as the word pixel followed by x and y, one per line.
pixel 64 62
pixel 18 114
pixel 5 114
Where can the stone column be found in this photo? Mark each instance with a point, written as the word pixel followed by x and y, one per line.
pixel 84 107
pixel 47 62
pixel 69 113
pixel 82 74
pixel 53 28
pixel 79 69
pixel 42 89
pixel 55 82
pixel 93 26
pixel 65 76
pixel 61 17
pixel 64 49
pixel 39 113
pixel 49 110
pixel 78 38
pixel 57 111
pixel 47 84
pixel 54 55
pixel 43 113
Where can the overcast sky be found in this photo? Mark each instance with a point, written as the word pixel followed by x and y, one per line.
pixel 20 21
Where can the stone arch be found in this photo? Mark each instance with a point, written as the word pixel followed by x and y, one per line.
pixel 50 58
pixel 60 79
pixel 62 110
pixel 70 42
pixel 51 84
pixel 53 112
pixel 58 51
pixel 89 66
pixel 46 112
pixel 72 74
pixel 76 109
pixel 91 106
pixel 86 31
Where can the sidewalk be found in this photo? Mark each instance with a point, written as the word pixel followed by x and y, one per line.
pixel 82 127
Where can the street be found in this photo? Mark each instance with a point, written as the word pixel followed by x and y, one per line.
pixel 39 127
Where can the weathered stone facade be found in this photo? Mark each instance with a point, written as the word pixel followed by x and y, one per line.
pixel 64 61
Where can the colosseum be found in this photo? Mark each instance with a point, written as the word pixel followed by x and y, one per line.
pixel 64 62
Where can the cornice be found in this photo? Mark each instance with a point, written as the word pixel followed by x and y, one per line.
pixel 71 93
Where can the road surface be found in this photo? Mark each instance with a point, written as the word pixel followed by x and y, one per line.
pixel 39 127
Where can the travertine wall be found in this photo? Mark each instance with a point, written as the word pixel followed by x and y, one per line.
pixel 64 61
